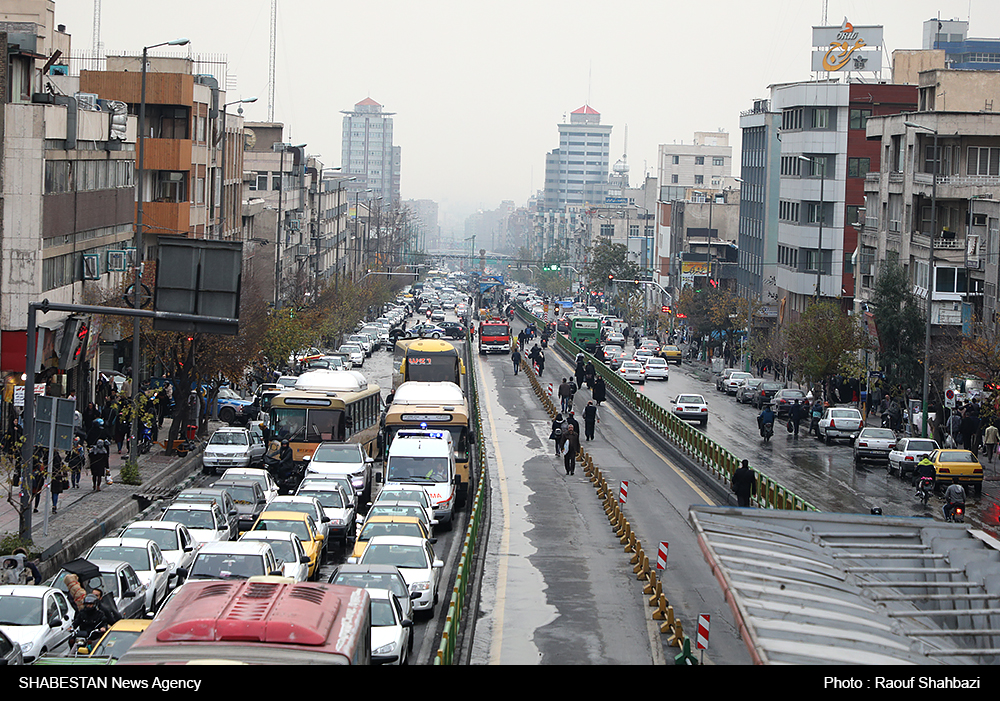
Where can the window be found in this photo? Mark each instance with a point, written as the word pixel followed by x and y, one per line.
pixel 854 216
pixel 673 179
pixel 791 165
pixel 699 160
pixel 607 229
pixel 814 212
pixel 788 211
pixel 699 180
pixel 716 161
pixel 984 160
pixel 275 180
pixel 675 159
pixel 633 231
pixel 821 118
pixel 859 118
pixel 261 182
pixel 858 167
pixel 791 118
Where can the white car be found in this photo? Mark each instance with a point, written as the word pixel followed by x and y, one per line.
pixel 633 371
pixel 907 452
pixel 232 447
pixel 260 476
pixel 175 540
pixel 205 522
pixel 304 504
pixel 354 352
pixel 415 559
pixel 338 507
pixel 732 383
pixel 874 444
pixel 146 559
pixel 287 549
pixel 840 422
pixel 39 619
pixel 238 560
pixel 657 368
pixel 690 407
pixel 348 459
pixel 391 631
pixel 363 340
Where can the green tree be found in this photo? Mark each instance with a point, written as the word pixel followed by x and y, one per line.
pixel 823 341
pixel 607 258
pixel 900 327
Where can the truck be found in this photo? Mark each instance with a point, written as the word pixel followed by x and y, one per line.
pixel 494 336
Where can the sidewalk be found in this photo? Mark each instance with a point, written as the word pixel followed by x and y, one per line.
pixel 85 516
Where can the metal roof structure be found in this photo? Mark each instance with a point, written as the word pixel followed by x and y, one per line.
pixel 819 588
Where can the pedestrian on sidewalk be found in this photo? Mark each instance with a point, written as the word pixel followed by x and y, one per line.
pixel 590 420
pixel 744 484
pixel 37 479
pixel 515 358
pixel 58 484
pixel 572 448
pixel 76 460
pixel 991 436
pixel 99 462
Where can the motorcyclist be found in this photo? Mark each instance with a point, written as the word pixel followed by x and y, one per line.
pixel 90 619
pixel 925 468
pixel 765 417
pixel 954 496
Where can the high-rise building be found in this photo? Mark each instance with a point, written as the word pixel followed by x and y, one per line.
pixel 961 52
pixel 368 154
pixel 576 173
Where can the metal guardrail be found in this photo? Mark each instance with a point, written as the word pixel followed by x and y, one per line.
pixel 711 456
pixel 456 605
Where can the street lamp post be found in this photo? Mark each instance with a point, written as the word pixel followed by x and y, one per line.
pixel 930 277
pixel 225 140
pixel 336 263
pixel 137 282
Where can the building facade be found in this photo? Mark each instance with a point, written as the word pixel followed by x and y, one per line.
pixel 368 153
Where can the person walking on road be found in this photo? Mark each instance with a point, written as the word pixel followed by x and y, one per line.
pixel 589 420
pixel 515 358
pixel 600 392
pixel 565 395
pixel 744 484
pixel 572 448
pixel 558 433
pixel 795 413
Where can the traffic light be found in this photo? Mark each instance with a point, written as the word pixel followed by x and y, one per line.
pixel 74 333
pixel 611 278
pixel 713 283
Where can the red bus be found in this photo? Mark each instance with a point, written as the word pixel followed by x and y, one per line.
pixel 269 620
pixel 494 336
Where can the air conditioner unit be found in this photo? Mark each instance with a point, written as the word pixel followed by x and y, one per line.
pixel 116 261
pixel 294 224
pixel 302 251
pixel 979 219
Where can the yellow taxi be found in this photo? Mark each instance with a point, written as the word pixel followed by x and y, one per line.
pixel 389 525
pixel 119 637
pixel 302 525
pixel 951 463
pixel 672 354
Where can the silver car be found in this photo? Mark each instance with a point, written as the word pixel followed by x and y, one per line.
pixel 874 444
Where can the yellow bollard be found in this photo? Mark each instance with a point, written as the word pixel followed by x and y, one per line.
pixel 624 532
pixel 677 639
pixel 644 573
pixel 655 588
pixel 668 625
pixel 630 545
pixel 660 613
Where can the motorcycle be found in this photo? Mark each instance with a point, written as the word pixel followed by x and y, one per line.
pixel 957 514
pixel 82 642
pixel 925 488
pixel 287 479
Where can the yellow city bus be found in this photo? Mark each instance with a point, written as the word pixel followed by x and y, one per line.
pixel 426 360
pixel 327 405
pixel 434 405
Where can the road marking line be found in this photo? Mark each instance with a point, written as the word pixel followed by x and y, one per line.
pixel 497 642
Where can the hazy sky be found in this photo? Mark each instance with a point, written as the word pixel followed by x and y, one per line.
pixel 478 87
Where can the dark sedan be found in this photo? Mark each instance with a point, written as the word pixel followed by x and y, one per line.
pixel 785 398
pixel 453 329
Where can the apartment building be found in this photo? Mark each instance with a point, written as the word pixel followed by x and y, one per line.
pixel 704 163
pixel 368 153
pixel 66 214
pixel 908 211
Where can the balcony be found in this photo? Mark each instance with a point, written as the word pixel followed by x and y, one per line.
pixel 167 154
pixel 167 218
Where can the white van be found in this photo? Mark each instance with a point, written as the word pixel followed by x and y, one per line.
pixel 425 458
